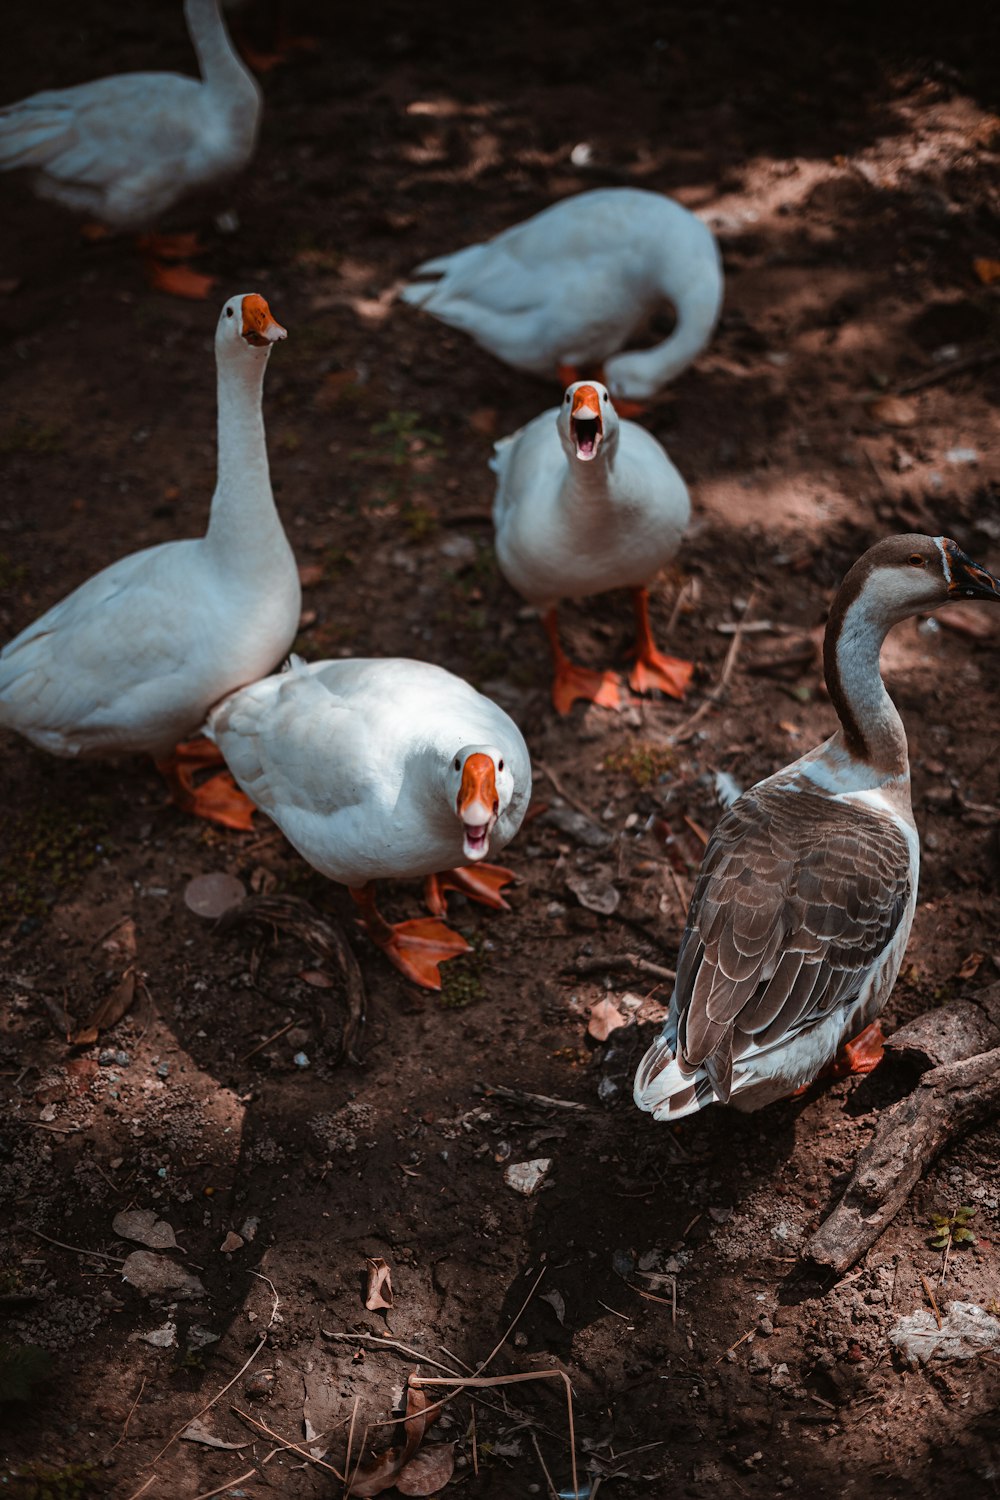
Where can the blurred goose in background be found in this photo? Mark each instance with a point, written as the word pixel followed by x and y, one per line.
pixel 133 659
pixel 587 503
pixel 384 769
pixel 125 149
pixel 564 292
pixel 802 909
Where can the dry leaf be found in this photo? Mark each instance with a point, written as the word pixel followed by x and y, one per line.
pixel 595 891
pixel 987 270
pixel 156 1276
pixel 317 979
pixel 213 895
pixel 895 411
pixel 604 1019
pixel 379 1284
pixel 310 574
pixel 970 967
pixel 428 1471
pixel 197 1432
pixel 142 1225
pixel 231 1244
pixel 381 1473
pixel 108 1011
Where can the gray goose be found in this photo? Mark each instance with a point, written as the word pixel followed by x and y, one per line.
pixel 803 905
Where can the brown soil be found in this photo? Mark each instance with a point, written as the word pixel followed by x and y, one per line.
pixel 848 164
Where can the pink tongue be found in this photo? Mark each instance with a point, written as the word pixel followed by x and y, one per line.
pixel 587 446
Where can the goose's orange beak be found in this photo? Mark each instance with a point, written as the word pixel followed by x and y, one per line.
pixel 259 327
pixel 586 424
pixel 478 804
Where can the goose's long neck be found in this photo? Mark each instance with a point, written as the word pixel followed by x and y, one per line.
pixel 871 729
pixel 243 513
pixel 217 58
pixel 589 487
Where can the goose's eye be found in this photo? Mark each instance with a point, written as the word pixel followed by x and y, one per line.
pixel 229 312
pixel 605 395
pixel 458 763
pixel 916 561
pixel 499 765
pixel 567 398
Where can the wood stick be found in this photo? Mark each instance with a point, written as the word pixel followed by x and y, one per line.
pixel 949 1101
pixel 612 961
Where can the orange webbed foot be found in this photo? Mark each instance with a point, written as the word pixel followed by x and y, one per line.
pixel 416 948
pixel 572 682
pixel 218 800
pixel 481 882
pixel 668 674
pixel 179 281
pixel 861 1055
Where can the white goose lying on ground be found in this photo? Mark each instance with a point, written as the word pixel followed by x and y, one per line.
pixel 383 769
pixel 803 905
pixel 587 503
pixel 564 292
pixel 125 149
pixel 133 659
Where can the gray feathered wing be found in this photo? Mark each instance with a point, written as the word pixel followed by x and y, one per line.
pixel 797 897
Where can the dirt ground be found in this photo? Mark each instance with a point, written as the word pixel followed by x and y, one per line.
pixel 847 159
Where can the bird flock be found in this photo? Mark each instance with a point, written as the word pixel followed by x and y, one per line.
pixel 378 768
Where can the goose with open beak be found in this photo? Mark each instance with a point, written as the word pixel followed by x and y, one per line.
pixel 384 769
pixel 588 502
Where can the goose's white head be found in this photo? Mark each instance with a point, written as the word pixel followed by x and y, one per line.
pixel 246 323
pixel 481 785
pixel 587 421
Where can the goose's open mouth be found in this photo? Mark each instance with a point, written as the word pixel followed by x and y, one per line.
pixel 476 841
pixel 585 424
pixel 478 804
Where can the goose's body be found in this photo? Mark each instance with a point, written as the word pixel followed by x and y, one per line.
pixel 570 287
pixel 802 909
pixel 381 768
pixel 132 660
pixel 587 502
pixel 124 149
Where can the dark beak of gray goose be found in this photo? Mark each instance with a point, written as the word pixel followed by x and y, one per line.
pixel 968 580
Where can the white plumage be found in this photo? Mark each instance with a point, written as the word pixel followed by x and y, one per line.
pixel 124 149
pixel 571 286
pixel 587 502
pixel 133 658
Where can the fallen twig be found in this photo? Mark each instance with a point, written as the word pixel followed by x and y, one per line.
pixel 115 1260
pixel 297 917
pixel 611 961
pixel 683 731
pixel 268 1040
pixel 944 372
pixel 374 1338
pixel 520 1096
pixel 131 1412
pixel 931 1298
pixel 320 1463
pixel 261 1341
pixel 948 1101
pixel 558 787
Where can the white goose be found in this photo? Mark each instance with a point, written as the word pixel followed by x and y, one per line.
pixel 383 769
pixel 566 290
pixel 585 503
pixel 133 659
pixel 803 905
pixel 125 149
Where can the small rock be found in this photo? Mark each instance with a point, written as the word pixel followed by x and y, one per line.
pixel 526 1177
pixel 966 1332
pixel 231 1243
pixel 260 1383
pixel 160 1338
pixel 962 456
pixel 156 1276
pixel 213 895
